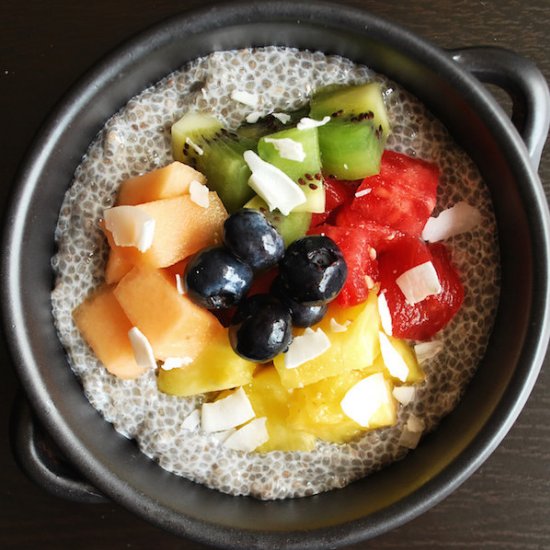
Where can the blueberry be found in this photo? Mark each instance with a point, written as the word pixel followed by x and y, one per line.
pixel 302 315
pixel 216 279
pixel 313 270
pixel 249 235
pixel 261 328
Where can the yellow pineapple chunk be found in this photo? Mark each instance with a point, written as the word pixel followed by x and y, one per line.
pixel 216 368
pixel 316 408
pixel 415 375
pixel 270 399
pixel 353 349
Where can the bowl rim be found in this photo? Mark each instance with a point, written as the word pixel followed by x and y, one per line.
pixel 14 323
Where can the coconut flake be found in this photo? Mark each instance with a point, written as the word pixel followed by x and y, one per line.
pixel 273 185
pixel 222 436
pixel 427 350
pixel 364 398
pixel 415 424
pixel 179 284
pixel 282 117
pixel 409 439
pixel 455 220
pixel 246 98
pixel 253 117
pixel 419 282
pixel 130 226
pixel 199 150
pixel 335 326
pixel 404 394
pixel 198 193
pixel 385 315
pixel 192 421
pixel 393 360
pixel 412 432
pixel 304 348
pixel 176 362
pixel 249 437
pixel 229 412
pixel 363 192
pixel 306 123
pixel 143 352
pixel 288 148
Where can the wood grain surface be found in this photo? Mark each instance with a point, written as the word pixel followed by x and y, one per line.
pixel 44 47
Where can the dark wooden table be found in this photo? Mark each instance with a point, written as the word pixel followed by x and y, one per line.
pixel 45 46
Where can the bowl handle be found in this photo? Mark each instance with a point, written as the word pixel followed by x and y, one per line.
pixel 41 460
pixel 522 81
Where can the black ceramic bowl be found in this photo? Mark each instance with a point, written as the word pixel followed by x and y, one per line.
pixel 443 81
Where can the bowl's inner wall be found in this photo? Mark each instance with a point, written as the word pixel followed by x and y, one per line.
pixel 110 460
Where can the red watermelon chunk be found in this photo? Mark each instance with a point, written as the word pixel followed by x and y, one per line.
pixel 402 195
pixel 360 256
pixel 337 193
pixel 423 319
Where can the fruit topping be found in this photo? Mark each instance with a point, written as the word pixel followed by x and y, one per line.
pixel 337 193
pixel 270 398
pixel 306 347
pixel 302 315
pixel 130 226
pixel 226 413
pixel 261 328
pixel 332 311
pixel 250 236
pixel 352 101
pixel 360 258
pixel 404 394
pixel 351 148
pixel 402 195
pixel 291 227
pixel 246 98
pixel 143 352
pixel 296 152
pixel 249 437
pixel 368 400
pixel 355 348
pixel 200 141
pixel 419 321
pixel 313 270
pixel 216 279
pixel 453 221
pixel 273 185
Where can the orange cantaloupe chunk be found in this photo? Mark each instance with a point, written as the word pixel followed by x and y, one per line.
pixel 104 326
pixel 177 268
pixel 117 266
pixel 173 324
pixel 164 183
pixel 182 228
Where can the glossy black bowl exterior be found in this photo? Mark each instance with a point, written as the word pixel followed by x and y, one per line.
pixel 465 438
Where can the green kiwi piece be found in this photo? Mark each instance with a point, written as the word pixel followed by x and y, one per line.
pixel 192 126
pixel 350 150
pixel 291 227
pixel 200 141
pixel 364 101
pixel 307 172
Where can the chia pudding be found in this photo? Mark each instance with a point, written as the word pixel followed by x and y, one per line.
pixel 136 140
